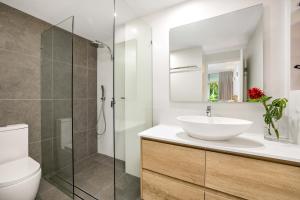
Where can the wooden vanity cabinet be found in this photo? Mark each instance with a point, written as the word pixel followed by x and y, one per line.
pixel 184 163
pixel 216 196
pixel 251 178
pixel 157 186
pixel 178 172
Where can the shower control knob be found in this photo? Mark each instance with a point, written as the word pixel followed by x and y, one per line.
pixel 122 98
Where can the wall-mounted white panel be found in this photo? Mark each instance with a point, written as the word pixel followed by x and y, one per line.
pixel 186 86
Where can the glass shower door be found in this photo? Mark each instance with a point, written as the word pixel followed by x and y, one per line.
pixel 133 109
pixel 56 105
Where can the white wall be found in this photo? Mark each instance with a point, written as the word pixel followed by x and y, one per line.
pixel 181 79
pixel 192 11
pixel 186 57
pixel 294 115
pixel 295 54
pixel 223 56
pixel 187 86
pixel 105 77
pixel 294 92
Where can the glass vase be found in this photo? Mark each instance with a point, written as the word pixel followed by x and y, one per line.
pixel 283 130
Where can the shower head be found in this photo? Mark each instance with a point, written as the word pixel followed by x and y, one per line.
pixel 98 44
pixel 101 45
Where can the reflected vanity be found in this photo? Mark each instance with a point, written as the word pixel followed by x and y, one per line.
pixel 217 59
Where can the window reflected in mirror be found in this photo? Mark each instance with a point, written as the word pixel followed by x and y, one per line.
pixel 217 59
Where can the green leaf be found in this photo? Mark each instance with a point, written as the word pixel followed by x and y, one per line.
pixel 265 98
pixel 274 111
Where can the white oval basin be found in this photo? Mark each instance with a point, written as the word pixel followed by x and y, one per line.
pixel 213 128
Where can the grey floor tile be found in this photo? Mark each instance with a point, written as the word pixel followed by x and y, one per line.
pixel 94 175
pixel 97 178
pixel 47 191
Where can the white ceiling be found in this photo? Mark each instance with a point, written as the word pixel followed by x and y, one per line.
pixel 225 31
pixel 93 18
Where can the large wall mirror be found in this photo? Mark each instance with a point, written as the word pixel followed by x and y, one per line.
pixel 217 59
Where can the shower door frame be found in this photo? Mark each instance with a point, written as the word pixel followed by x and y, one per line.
pixel 113 101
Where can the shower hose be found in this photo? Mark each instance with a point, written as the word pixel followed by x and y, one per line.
pixel 101 112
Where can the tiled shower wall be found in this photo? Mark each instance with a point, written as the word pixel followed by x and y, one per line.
pixel 21 98
pixel 85 98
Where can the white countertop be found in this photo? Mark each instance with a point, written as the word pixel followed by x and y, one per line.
pixel 246 143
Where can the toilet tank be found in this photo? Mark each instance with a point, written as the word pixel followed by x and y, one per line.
pixel 13 142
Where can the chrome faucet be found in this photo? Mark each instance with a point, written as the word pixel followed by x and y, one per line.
pixel 208 111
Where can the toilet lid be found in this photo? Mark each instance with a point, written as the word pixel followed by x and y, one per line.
pixel 17 171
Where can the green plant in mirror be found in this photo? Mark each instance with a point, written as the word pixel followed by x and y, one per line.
pixel 213 91
pixel 274 112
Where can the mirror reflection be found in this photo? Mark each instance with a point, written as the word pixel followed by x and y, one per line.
pixel 217 59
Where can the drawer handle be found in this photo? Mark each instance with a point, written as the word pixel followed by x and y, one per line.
pixel 297 66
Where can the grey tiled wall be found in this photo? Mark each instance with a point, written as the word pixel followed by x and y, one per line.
pixel 22 100
pixel 85 98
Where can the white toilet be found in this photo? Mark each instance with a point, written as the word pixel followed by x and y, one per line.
pixel 19 174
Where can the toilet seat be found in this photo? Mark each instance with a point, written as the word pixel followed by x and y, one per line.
pixel 17 171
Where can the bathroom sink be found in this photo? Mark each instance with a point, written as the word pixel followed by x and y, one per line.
pixel 213 128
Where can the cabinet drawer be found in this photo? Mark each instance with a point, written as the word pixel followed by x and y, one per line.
pixel 159 187
pixel 184 163
pixel 252 179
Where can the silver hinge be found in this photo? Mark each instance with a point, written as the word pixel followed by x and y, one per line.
pixel 112 102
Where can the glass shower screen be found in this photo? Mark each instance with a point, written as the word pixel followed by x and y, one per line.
pixel 56 105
